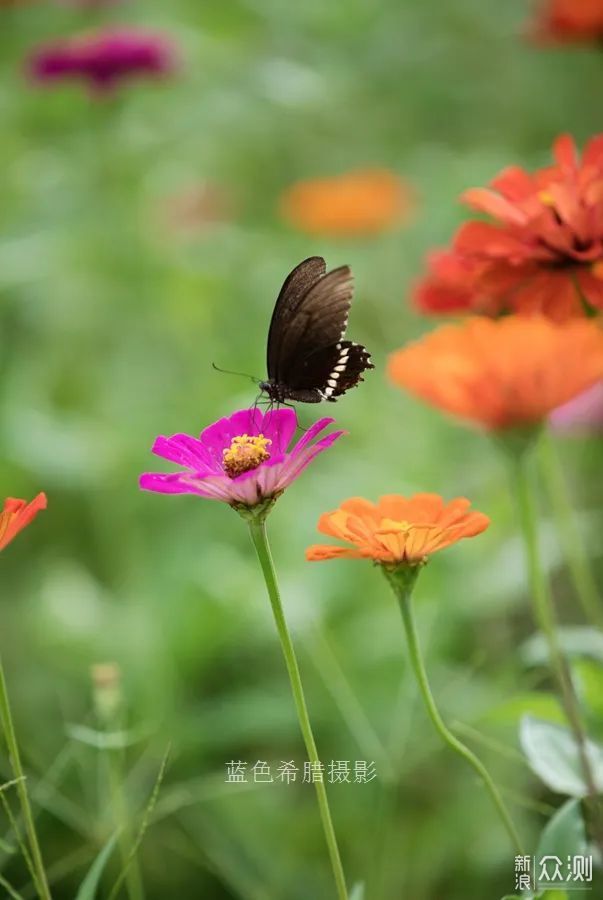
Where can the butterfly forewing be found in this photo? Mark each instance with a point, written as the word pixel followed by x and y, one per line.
pixel 318 321
pixel 296 286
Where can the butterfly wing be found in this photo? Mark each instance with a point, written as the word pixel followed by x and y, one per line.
pixel 328 373
pixel 295 287
pixel 311 361
pixel 318 320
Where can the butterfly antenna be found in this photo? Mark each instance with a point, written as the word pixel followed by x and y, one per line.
pixel 240 374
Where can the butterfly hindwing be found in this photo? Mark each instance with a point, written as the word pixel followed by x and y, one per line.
pixel 336 368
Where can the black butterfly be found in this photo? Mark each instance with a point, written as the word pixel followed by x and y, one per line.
pixel 308 360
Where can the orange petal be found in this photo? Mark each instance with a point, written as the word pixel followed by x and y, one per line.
pixel 321 552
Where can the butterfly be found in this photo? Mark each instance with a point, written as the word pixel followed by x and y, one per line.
pixel 307 357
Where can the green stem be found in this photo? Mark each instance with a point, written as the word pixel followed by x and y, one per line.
pixel 8 727
pixel 121 817
pixel 403 591
pixel 544 613
pixel 257 528
pixel 577 559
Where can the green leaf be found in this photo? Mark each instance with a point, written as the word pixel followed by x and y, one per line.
pixel 552 755
pixel 588 676
pixel 102 740
pixel 357 892
pixel 544 895
pixel 575 640
pixel 564 835
pixel 534 703
pixel 551 895
pixel 89 886
pixel 146 818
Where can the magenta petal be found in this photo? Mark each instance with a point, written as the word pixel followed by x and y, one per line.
pixel 297 462
pixel 310 434
pixel 218 436
pixel 274 461
pixel 212 487
pixel 165 483
pixel 186 451
pixel 246 421
pixel 279 425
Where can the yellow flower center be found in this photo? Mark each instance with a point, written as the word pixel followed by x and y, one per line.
pixel 246 452
pixel 546 198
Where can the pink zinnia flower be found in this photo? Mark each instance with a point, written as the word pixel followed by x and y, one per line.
pixel 16 515
pixel 582 415
pixel 242 460
pixel 104 58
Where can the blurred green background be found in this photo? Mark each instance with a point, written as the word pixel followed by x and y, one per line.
pixel 110 318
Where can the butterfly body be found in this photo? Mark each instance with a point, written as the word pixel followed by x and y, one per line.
pixel 308 359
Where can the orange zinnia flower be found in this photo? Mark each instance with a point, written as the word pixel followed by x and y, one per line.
pixel 544 250
pixel 563 21
pixel 396 530
pixel 362 202
pixel 504 373
pixel 16 515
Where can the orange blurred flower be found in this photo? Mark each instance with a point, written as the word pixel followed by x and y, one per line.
pixel 563 21
pixel 543 251
pixel 502 373
pixel 363 202
pixel 16 514
pixel 396 529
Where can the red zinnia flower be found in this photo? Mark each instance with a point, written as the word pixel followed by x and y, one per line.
pixel 449 287
pixel 543 253
pixel 564 21
pixel 16 515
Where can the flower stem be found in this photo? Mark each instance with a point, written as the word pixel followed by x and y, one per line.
pixel 577 559
pixel 8 727
pixel 544 613
pixel 403 590
pixel 257 528
pixel 113 758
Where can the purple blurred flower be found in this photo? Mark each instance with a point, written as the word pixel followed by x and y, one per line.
pixel 89 4
pixel 242 460
pixel 583 414
pixel 104 58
